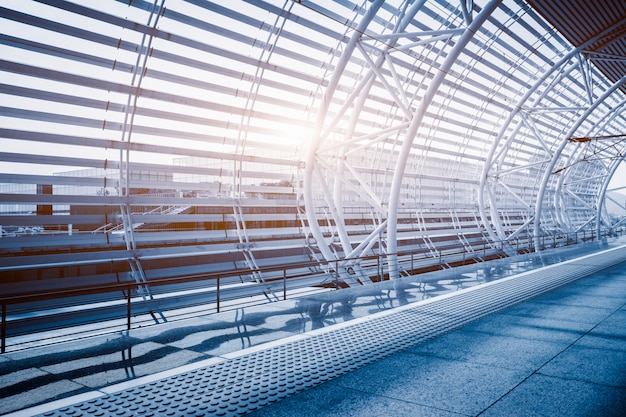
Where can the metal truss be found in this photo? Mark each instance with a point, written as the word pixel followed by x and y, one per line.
pixel 568 176
pixel 166 138
pixel 331 164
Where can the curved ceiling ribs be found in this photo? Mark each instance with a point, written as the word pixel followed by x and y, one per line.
pixel 571 180
pixel 330 162
pixel 561 92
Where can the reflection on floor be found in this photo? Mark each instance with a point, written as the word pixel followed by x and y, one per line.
pixel 41 375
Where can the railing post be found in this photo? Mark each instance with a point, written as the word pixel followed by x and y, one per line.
pixel 284 283
pixel 128 309
pixel 217 294
pixel 4 328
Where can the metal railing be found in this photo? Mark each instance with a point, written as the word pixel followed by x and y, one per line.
pixel 27 313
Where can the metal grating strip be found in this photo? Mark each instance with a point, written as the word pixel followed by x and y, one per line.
pixel 248 382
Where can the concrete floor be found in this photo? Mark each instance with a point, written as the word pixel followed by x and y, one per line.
pixel 563 353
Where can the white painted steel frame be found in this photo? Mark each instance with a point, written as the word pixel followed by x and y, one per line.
pixel 327 130
pixel 556 76
pixel 409 125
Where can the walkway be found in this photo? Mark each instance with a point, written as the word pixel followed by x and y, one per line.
pixel 563 353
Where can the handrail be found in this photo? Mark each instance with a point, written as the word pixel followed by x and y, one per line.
pixel 408 264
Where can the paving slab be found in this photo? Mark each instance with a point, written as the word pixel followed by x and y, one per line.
pixel 610 334
pixel 455 386
pixel 535 328
pixel 597 366
pixel 505 352
pixel 334 400
pixel 542 395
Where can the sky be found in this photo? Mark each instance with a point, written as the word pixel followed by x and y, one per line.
pixel 619 179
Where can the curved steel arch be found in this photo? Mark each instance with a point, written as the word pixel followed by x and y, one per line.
pixel 557 154
pixel 407 127
pixel 490 180
pixel 317 137
pixel 415 123
pixel 570 177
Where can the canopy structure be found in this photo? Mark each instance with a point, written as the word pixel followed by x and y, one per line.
pixel 167 138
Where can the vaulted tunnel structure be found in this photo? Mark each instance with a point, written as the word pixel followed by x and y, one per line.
pixel 339 142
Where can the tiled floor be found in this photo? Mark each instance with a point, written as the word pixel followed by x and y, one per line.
pixel 526 360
